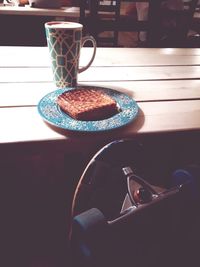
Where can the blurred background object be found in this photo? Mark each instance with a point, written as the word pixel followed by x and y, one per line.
pixel 45 3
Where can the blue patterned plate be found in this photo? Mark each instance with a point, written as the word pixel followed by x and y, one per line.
pixel 51 112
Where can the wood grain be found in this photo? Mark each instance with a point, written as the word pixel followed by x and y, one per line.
pixel 164 82
pixel 109 74
pixel 24 124
pixel 29 94
pixel 39 57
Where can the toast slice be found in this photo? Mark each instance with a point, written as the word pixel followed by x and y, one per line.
pixel 87 104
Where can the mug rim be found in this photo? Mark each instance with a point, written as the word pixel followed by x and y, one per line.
pixel 55 25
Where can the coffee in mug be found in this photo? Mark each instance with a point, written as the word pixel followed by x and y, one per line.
pixel 64 40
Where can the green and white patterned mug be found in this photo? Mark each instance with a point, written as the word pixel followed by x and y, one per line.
pixel 64 40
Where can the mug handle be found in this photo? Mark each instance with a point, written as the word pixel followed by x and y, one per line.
pixel 84 40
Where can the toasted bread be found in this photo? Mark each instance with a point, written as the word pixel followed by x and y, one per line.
pixel 87 104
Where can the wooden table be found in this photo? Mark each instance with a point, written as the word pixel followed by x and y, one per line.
pixel 164 82
pixel 40 166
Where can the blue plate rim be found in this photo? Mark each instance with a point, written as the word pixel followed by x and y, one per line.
pixel 100 127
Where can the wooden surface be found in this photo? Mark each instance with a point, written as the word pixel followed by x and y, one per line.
pixel 41 166
pixel 164 82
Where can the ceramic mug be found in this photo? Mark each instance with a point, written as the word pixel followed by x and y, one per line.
pixel 65 40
